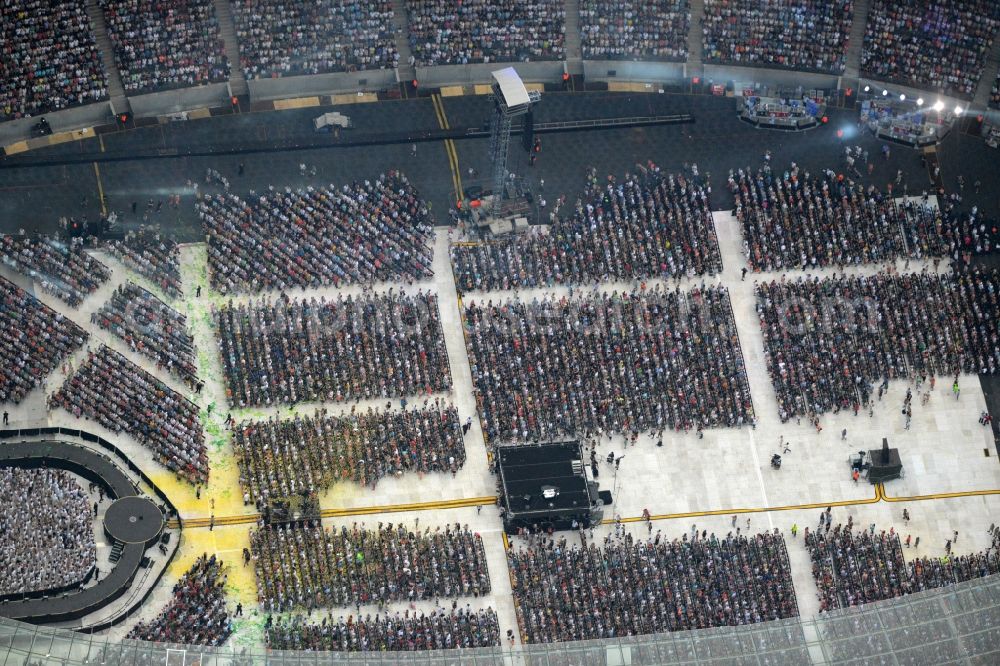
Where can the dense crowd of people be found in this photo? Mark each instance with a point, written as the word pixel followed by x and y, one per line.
pixel 995 93
pixel 153 255
pixel 919 634
pixel 474 31
pixel 628 586
pixel 645 226
pixel 372 230
pixel 805 34
pixel 152 328
pixel 776 643
pixel 635 29
pixel 855 568
pixel 55 62
pixel 618 363
pixel 34 341
pixel 965 234
pixel 123 397
pixel 858 567
pixel 46 531
pixel 827 341
pixel 63 270
pixel 50 60
pixel 196 614
pixel 927 44
pixel 801 220
pixel 387 345
pixel 165 43
pixel 309 453
pixel 289 38
pixel 311 567
pixel 396 632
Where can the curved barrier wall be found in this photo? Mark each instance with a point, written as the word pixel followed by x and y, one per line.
pixel 321 84
pixel 73 603
pixel 540 71
pixel 956 624
pixel 74 433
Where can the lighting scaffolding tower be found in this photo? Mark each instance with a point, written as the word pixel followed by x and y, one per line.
pixel 510 99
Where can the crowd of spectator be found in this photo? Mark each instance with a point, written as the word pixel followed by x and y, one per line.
pixel 798 34
pixel 288 38
pixel 153 255
pixel 775 643
pixel 123 397
pixel 827 341
pixel 799 220
pixel 310 453
pixel 46 531
pixel 619 363
pixel 967 233
pixel 152 328
pixel 396 632
pixel 855 568
pixel 926 44
pixel 311 567
pixel 474 31
pixel 63 270
pixel 162 44
pixel 629 586
pixel 852 568
pixel 635 29
pixel 645 226
pixel 917 634
pixel 995 93
pixel 34 340
pixel 50 60
pixel 196 615
pixel 388 345
pixel 366 232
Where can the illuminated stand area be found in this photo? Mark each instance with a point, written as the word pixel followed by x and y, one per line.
pixel 780 108
pixel 907 120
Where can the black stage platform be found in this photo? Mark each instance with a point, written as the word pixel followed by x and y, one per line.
pixel 98 469
pixel 546 485
pixel 884 464
pixel 133 520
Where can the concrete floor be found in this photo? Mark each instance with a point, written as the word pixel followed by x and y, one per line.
pixel 688 481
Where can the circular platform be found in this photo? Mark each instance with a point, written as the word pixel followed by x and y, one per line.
pixel 133 520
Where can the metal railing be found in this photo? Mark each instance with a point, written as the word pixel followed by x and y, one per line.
pixel 959 624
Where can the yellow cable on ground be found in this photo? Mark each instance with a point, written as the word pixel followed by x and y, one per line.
pixel 250 518
pixel 940 496
pixel 100 189
pixel 466 502
pixel 448 146
pixel 725 512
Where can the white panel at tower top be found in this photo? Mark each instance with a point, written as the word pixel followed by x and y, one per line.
pixel 514 92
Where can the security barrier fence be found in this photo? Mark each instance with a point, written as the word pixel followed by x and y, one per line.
pixel 959 624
